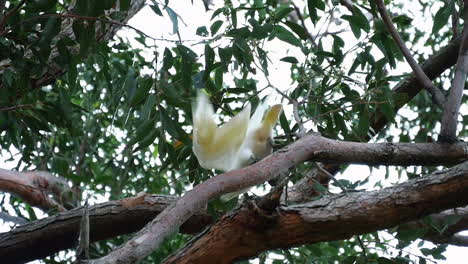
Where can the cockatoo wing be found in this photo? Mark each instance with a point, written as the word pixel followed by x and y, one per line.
pixel 217 147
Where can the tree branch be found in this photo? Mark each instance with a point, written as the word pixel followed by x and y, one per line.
pixel 330 218
pixel 437 95
pixel 311 147
pixel 405 90
pixel 448 128
pixel 44 237
pixel 34 188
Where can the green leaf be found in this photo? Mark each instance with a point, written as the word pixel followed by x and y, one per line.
pixel 156 9
pixel 142 131
pixel 8 76
pixel 225 54
pixel 312 6
pixel 147 140
pixel 452 219
pixel 174 19
pixel 364 122
pixel 130 83
pixel 148 107
pixel 209 60
pixel 219 78
pixel 167 123
pixel 382 260
pixel 82 7
pixel 319 188
pixel 388 108
pixel 289 59
pixel 142 91
pixel 261 32
pixel 360 19
pixel 215 27
pixel 202 31
pixel 441 18
pixel 233 17
pixel 168 59
pixel 42 5
pixel 186 53
pixel 284 123
pixel 242 32
pixel 282 12
pixel 354 24
pixel 298 29
pixel 411 234
pixel 51 29
pixel 286 36
pixel 217 12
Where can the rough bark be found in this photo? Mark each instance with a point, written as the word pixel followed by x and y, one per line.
pixel 246 232
pixel 46 236
pixel 310 147
pixel 408 88
pixel 34 188
pixel 50 235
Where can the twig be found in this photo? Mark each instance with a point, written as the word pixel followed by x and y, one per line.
pixel 455 20
pixel 364 251
pixel 82 252
pixel 448 128
pixel 302 130
pixel 437 95
pixel 16 107
pixel 331 177
pixel 301 19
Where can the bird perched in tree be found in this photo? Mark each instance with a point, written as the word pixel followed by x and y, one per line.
pixel 235 144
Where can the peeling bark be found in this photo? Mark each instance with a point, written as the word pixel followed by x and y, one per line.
pixel 245 232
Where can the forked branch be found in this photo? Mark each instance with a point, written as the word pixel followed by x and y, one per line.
pixel 437 95
pixel 448 128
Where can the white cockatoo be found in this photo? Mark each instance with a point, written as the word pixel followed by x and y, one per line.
pixel 235 144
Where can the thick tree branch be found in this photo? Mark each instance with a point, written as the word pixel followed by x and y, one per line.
pixel 34 188
pixel 244 233
pixel 448 128
pixel 44 237
pixel 437 96
pixel 404 91
pixel 408 88
pixel 310 147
